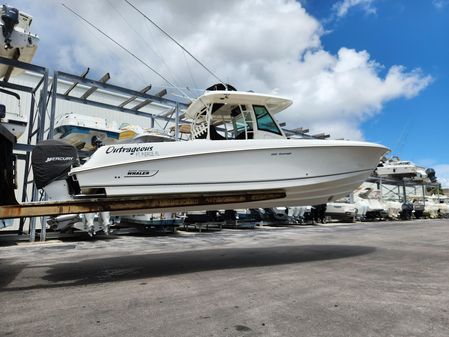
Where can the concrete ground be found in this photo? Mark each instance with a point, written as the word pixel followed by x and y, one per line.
pixel 367 279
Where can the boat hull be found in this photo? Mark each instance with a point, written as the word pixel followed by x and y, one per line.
pixel 309 171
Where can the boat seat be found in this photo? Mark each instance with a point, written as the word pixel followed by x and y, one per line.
pixel 214 135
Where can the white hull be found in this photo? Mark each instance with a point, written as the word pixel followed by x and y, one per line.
pixel 397 170
pixel 15 124
pixel 309 171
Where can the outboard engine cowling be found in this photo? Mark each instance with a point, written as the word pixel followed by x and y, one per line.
pixel 431 175
pixel 10 18
pixel 221 86
pixel 52 161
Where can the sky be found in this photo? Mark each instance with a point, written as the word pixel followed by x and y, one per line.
pixel 375 70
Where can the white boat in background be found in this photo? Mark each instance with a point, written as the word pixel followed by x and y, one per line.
pixel 344 211
pixel 369 203
pixel 236 146
pixel 393 208
pixel 135 134
pixel 432 206
pixel 13 119
pixel 83 131
pixel 16 41
pixel 401 169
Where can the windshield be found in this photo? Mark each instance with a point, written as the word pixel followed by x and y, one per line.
pixel 264 120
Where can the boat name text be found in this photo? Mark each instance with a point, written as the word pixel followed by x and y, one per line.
pixel 138 150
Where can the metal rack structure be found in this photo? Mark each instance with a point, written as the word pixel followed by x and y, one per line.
pixel 41 117
pixel 398 187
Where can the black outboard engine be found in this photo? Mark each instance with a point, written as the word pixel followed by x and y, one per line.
pixel 52 161
pixel 221 86
pixel 406 211
pixel 10 18
pixel 431 175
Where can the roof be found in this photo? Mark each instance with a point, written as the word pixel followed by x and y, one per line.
pixel 274 104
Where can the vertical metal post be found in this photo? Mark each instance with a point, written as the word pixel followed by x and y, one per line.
pixel 32 229
pixel 177 122
pixel 42 108
pixel 40 136
pixel 27 160
pixel 53 105
pixel 404 193
pixel 381 190
pixel 151 121
pixel 424 194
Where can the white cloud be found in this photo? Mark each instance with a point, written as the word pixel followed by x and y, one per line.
pixel 341 8
pixel 440 4
pixel 266 46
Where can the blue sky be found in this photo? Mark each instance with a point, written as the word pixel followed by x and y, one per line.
pixel 415 34
pixel 362 69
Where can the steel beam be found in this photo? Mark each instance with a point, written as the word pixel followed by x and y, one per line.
pixel 118 89
pixel 132 98
pixel 54 90
pixel 83 75
pixel 16 87
pixel 106 77
pixel 111 107
pixel 22 65
pixel 148 101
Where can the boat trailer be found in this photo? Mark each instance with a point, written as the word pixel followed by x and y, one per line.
pixel 148 203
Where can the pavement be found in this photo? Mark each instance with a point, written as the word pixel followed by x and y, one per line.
pixel 364 279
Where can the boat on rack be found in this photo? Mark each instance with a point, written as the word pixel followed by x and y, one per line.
pixel 396 168
pixel 16 43
pixel 235 145
pixel 130 133
pixel 16 40
pixel 84 131
pixel 11 116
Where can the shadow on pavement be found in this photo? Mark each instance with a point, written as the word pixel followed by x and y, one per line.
pixel 131 267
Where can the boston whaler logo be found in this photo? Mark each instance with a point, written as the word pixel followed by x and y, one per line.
pixel 141 173
pixel 144 151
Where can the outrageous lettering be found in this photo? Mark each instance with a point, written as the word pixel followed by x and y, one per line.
pixel 132 150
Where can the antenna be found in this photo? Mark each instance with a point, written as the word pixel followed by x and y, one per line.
pixel 171 38
pixel 126 50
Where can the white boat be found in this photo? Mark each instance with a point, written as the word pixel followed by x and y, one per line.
pixel 340 210
pixel 83 131
pixel 393 208
pixel 11 116
pixel 400 169
pixel 236 146
pixel 369 203
pixel 16 41
pixel 135 134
